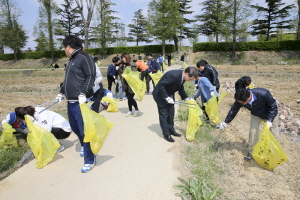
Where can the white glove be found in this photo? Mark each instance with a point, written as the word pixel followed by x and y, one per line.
pixel 97 81
pixel 150 72
pixel 196 86
pixel 117 67
pixel 170 100
pixel 187 99
pixel 114 77
pixel 222 125
pixel 81 98
pixel 215 87
pixel 212 93
pixel 59 98
pixel 269 124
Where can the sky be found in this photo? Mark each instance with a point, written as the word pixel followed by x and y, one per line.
pixel 125 11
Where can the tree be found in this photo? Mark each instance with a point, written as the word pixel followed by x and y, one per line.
pixel 298 27
pixel 215 13
pixel 164 20
pixel 42 42
pixel 138 30
pixel 194 38
pixel 90 4
pixel 121 39
pixel 49 7
pixel 273 18
pixel 69 19
pixel 12 33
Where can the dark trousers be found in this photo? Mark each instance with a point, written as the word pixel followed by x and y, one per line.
pixel 145 74
pixel 166 117
pixel 147 83
pixel 111 80
pixel 97 96
pixel 169 62
pixel 59 133
pixel 131 101
pixel 76 123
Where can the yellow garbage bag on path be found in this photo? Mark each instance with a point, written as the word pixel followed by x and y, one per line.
pixel 212 110
pixel 194 120
pixel 112 107
pixel 42 143
pixel 137 86
pixel 7 138
pixel 172 62
pixel 164 66
pixel 156 77
pixel 185 65
pixel 221 97
pixel 96 127
pixel 267 152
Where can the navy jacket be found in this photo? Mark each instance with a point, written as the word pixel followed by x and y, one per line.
pixel 263 106
pixel 80 76
pixel 239 84
pixel 169 83
pixel 153 66
pixel 111 71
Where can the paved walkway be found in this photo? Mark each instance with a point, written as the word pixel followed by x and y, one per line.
pixel 135 163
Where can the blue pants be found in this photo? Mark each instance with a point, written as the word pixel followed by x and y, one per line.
pixel 76 123
pixel 120 90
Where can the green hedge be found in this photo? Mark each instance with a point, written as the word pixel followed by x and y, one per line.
pixel 249 46
pixel 95 51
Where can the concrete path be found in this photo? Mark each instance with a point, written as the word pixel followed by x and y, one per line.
pixel 135 163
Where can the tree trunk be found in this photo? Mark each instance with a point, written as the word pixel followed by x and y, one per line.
pixel 51 42
pixel 164 47
pixel 176 42
pixel 1 47
pixel 217 37
pixel 234 31
pixel 298 29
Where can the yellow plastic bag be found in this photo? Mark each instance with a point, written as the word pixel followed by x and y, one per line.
pixel 99 63
pixel 212 110
pixel 172 62
pixel 164 66
pixel 96 127
pixel 184 65
pixel 194 121
pixel 42 143
pixel 267 152
pixel 156 77
pixel 221 97
pixel 112 107
pixel 137 86
pixel 7 138
pixel 127 70
pixel 251 86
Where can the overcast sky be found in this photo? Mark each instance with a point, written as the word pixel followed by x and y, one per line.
pixel 125 9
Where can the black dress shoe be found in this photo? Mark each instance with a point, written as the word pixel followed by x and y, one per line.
pixel 169 138
pixel 176 134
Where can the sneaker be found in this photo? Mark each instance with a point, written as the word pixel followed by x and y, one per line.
pixel 81 153
pixel 60 149
pixel 128 114
pixel 248 157
pixel 136 113
pixel 147 92
pixel 87 167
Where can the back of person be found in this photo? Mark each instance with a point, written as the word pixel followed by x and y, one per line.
pixel 141 65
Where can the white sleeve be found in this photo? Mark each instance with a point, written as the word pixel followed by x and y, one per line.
pixel 43 119
pixel 6 119
pixel 99 76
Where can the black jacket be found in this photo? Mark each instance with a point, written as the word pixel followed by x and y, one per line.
pixel 80 76
pixel 239 84
pixel 169 83
pixel 263 106
pixel 211 73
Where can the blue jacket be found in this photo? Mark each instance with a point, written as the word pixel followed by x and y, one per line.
pixel 111 70
pixel 263 106
pixel 153 66
pixel 204 89
pixel 13 119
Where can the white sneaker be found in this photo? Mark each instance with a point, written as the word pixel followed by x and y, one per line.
pixel 60 149
pixel 129 114
pixel 136 113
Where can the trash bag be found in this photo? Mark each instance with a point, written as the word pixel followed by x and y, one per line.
pixel 194 120
pixel 127 70
pixel 112 107
pixel 185 65
pixel 172 62
pixel 164 66
pixel 156 77
pixel 42 143
pixel 7 138
pixel 96 127
pixel 251 86
pixel 221 97
pixel 137 86
pixel 267 152
pixel 212 110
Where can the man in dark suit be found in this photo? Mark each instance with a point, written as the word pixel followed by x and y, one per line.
pixel 163 94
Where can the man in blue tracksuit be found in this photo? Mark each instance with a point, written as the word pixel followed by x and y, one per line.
pixel 263 107
pixel 77 88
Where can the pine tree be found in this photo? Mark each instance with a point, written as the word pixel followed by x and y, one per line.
pixel 273 18
pixel 42 43
pixel 138 30
pixel 298 19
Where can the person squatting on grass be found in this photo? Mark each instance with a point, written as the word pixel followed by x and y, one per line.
pixel 263 107
pixel 16 123
pixel 205 91
pixel 243 82
pixel 164 95
pixel 126 59
pixel 49 120
pixel 77 88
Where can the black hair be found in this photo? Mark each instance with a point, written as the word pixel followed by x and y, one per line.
pixel 192 72
pixel 242 95
pixel 246 80
pixel 201 63
pixel 73 41
pixel 22 111
pixel 115 59
pixel 149 54
pixel 96 59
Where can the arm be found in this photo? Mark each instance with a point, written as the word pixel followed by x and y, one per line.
pixel 211 88
pixel 164 83
pixel 6 120
pixel 182 93
pixel 232 112
pixel 272 105
pixel 110 70
pixel 99 76
pixel 89 70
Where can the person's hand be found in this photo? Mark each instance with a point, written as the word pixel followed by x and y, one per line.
pixel 212 93
pixel 269 124
pixel 116 81
pixel 222 125
pixel 150 72
pixel 117 67
pixel 170 100
pixel 114 77
pixel 82 98
pixel 58 98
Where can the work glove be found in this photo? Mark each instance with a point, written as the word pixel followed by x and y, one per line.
pixel 170 100
pixel 116 81
pixel 117 67
pixel 187 99
pixel 82 98
pixel 114 77
pixel 269 124
pixel 222 125
pixel 212 93
pixel 150 72
pixel 58 98
pixel 196 86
